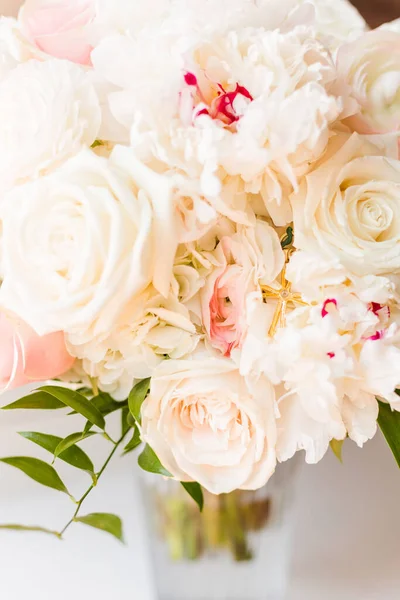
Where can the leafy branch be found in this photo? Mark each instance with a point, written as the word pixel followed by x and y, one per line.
pixel 95 406
pixel 88 491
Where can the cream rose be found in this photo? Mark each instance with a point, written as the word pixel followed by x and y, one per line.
pixel 349 209
pixel 77 245
pixel 49 112
pixel 207 424
pixel 370 66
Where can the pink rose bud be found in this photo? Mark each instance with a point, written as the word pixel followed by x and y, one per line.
pixel 26 357
pixel 59 27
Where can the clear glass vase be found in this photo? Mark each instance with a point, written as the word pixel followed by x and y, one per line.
pixel 238 548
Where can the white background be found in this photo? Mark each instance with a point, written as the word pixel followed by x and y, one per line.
pixel 347 541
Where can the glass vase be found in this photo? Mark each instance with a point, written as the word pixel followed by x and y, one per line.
pixel 238 548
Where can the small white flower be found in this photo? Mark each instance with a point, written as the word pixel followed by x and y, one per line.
pixel 151 329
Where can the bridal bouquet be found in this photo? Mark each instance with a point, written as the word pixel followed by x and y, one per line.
pixel 200 228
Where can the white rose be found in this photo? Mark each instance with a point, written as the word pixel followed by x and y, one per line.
pixel 348 208
pixel 207 424
pixel 49 112
pixel 77 245
pixel 370 67
pixel 150 329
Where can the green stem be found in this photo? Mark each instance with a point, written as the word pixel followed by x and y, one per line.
pixel 99 474
pixel 95 388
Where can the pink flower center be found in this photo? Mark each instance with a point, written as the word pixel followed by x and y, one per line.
pixel 378 335
pixel 191 79
pixel 222 105
pixel 331 354
pixel 327 306
pixel 380 310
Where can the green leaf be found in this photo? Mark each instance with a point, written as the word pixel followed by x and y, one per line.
pixel 61 450
pixel 73 455
pixel 36 400
pixel 38 471
pixel 194 490
pixel 148 461
pixel 30 528
pixel 97 143
pixel 124 420
pixel 131 421
pixel 77 402
pixel 336 447
pixel 137 397
pixel 105 405
pixel 104 521
pixel 87 428
pixel 287 240
pixel 389 422
pixel 85 391
pixel 134 443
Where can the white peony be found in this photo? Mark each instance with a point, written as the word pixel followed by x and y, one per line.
pixel 86 246
pixel 185 19
pixel 329 363
pixel 223 107
pixel 336 20
pixel 208 424
pixel 348 209
pixel 312 275
pixel 49 112
pixel 308 400
pixel 150 329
